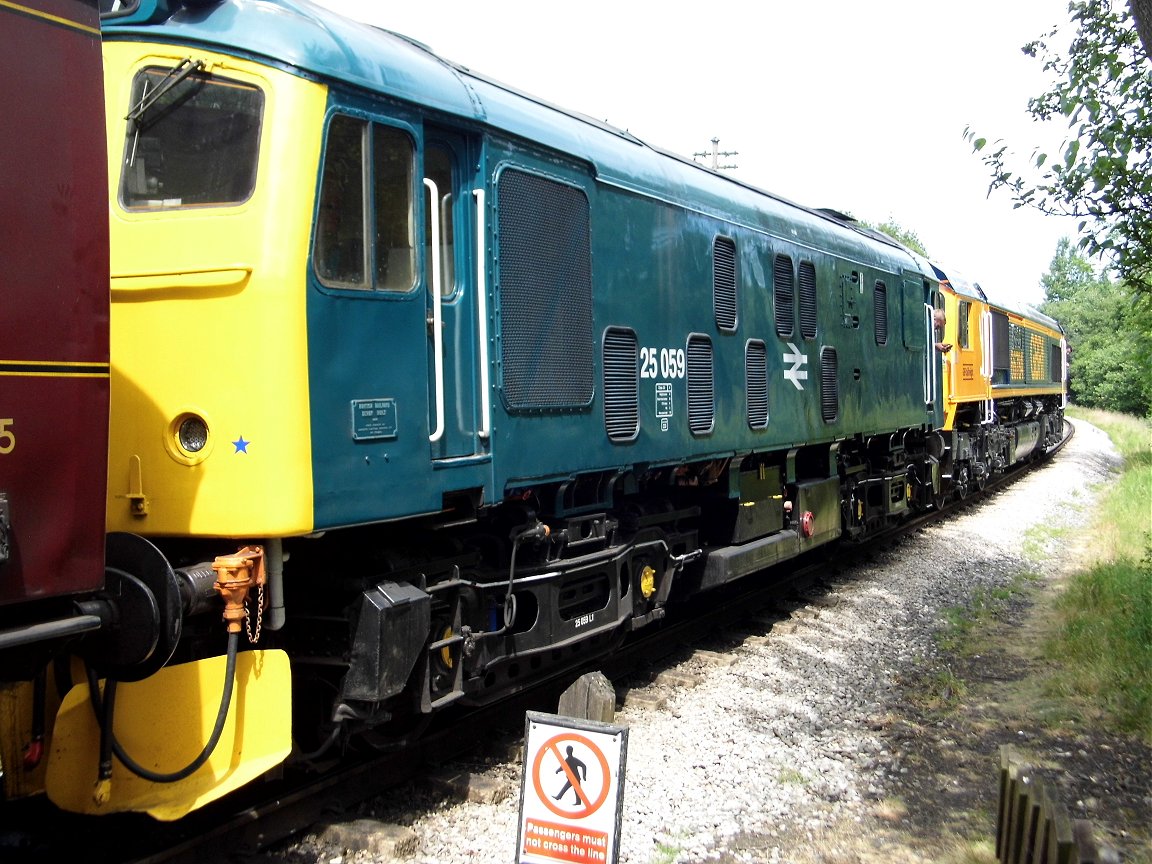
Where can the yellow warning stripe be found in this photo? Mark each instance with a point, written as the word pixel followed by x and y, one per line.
pixel 52 368
pixel 55 19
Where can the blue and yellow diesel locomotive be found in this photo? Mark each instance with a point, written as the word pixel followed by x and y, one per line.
pixel 443 389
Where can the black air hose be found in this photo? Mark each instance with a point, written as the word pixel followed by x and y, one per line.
pixel 105 707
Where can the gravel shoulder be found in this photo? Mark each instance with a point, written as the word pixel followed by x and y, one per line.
pixel 841 732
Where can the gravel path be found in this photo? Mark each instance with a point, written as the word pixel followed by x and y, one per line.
pixel 783 738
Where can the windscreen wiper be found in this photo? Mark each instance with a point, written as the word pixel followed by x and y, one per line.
pixel 175 75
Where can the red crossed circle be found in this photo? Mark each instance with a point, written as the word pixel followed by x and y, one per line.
pixel 589 807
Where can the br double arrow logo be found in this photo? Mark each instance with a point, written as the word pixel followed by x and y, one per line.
pixel 797 373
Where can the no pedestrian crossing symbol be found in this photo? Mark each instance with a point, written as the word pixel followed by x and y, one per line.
pixel 571 793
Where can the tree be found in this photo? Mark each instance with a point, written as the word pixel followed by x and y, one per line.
pixel 1103 89
pixel 1108 332
pixel 1142 14
pixel 904 235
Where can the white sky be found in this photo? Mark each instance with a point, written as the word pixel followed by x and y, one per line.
pixel 860 106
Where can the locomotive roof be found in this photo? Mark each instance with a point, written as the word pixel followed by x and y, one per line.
pixel 966 288
pixel 1029 314
pixel 313 40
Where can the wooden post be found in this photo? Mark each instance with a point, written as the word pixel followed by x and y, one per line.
pixel 591 697
pixel 1033 828
pixel 1002 819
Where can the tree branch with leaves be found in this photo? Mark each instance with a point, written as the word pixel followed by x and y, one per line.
pixel 1103 173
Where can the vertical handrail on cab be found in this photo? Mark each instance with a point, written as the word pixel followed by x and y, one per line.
pixel 1063 372
pixel 482 317
pixel 930 362
pixel 437 329
pixel 953 383
pixel 986 361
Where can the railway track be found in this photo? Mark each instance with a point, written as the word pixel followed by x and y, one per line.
pixel 270 812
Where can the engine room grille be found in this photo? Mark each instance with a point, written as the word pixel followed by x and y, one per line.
pixel 724 282
pixel 880 312
pixel 701 392
pixel 1017 339
pixel 1055 364
pixel 1036 345
pixel 621 384
pixel 756 376
pixel 829 384
pixel 545 292
pixel 782 281
pixel 807 300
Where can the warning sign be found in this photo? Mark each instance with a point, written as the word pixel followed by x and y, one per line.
pixel 571 794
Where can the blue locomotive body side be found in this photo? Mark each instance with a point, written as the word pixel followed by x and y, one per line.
pixel 652 223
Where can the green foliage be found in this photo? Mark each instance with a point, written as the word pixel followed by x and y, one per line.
pixel 1123 519
pixel 1109 331
pixel 1103 174
pixel 904 235
pixel 963 624
pixel 1103 646
pixel 1105 640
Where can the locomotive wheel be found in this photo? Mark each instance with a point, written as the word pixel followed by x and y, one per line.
pixel 962 482
pixel 941 498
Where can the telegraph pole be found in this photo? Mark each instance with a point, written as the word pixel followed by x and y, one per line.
pixel 715 153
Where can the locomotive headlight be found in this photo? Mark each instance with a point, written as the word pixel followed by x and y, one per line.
pixel 192 434
pixel 188 438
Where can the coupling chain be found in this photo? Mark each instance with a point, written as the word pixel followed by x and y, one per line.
pixel 254 637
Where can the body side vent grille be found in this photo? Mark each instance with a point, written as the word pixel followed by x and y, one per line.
pixel 701 392
pixel 782 293
pixel 829 384
pixel 756 377
pixel 724 282
pixel 880 312
pixel 545 292
pixel 621 384
pixel 807 300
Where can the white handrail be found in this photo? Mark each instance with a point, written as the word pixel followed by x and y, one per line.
pixel 482 318
pixel 437 329
pixel 930 364
pixel 1063 372
pixel 986 363
pixel 986 344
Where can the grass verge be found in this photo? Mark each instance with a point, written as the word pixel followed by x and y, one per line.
pixel 1103 640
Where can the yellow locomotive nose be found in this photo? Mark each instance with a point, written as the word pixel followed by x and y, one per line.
pixel 169 718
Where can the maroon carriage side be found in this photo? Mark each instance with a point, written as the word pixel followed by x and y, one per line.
pixel 53 322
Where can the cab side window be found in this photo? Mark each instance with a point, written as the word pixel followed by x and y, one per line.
pixel 438 168
pixel 364 235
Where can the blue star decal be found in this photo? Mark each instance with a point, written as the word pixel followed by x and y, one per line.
pixel 241 445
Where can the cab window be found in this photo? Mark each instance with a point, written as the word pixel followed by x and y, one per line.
pixel 364 236
pixel 962 328
pixel 438 168
pixel 192 140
